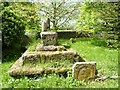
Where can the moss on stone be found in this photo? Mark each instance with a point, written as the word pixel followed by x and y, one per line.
pixel 33 62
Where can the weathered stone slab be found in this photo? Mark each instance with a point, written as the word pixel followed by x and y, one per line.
pixel 48 38
pixel 84 70
pixel 49 56
pixel 19 69
pixel 40 47
pixel 30 62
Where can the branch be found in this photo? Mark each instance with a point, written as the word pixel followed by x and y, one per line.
pixel 60 4
pixel 44 11
pixel 68 16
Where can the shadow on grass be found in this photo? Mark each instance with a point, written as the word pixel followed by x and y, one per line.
pixel 100 42
pixel 10 54
pixel 111 44
pixel 86 39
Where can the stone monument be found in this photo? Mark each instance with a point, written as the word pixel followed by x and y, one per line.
pixel 47 37
pixel 34 62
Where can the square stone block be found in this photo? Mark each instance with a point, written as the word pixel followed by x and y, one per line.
pixel 84 70
pixel 48 38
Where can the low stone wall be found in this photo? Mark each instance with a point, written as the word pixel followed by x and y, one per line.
pixel 69 34
pixel 72 34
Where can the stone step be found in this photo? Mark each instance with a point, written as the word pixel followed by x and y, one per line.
pixel 30 63
pixel 48 56
pixel 40 47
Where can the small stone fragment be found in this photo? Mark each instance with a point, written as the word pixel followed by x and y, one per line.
pixel 115 77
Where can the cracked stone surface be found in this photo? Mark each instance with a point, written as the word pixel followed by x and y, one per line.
pixel 40 47
pixel 29 62
pixel 48 38
pixel 84 70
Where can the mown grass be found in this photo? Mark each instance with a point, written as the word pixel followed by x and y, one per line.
pixel 107 64
pixel 106 58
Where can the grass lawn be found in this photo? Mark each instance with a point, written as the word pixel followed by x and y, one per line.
pixel 107 64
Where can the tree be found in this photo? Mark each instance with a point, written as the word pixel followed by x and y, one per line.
pixel 100 16
pixel 16 18
pixel 30 14
pixel 12 26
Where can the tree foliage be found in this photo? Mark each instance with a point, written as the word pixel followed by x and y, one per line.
pixel 13 26
pixel 29 12
pixel 60 13
pixel 98 17
pixel 16 18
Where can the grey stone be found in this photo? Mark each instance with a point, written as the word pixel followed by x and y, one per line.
pixel 84 70
pixel 46 25
pixel 49 38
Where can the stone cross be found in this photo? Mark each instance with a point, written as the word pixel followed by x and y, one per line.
pixel 47 37
pixel 46 25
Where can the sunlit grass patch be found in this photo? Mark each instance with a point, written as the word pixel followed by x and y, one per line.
pixel 106 58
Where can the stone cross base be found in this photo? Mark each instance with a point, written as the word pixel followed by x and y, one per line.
pixel 31 63
pixel 84 70
pixel 49 38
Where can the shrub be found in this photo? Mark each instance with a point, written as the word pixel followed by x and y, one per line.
pixel 12 26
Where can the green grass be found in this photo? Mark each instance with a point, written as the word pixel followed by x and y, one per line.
pixel 106 58
pixel 33 44
pixel 107 64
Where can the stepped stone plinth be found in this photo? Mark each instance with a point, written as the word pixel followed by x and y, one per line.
pixel 39 60
pixel 30 62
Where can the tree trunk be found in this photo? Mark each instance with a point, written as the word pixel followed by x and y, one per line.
pixel 54 18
